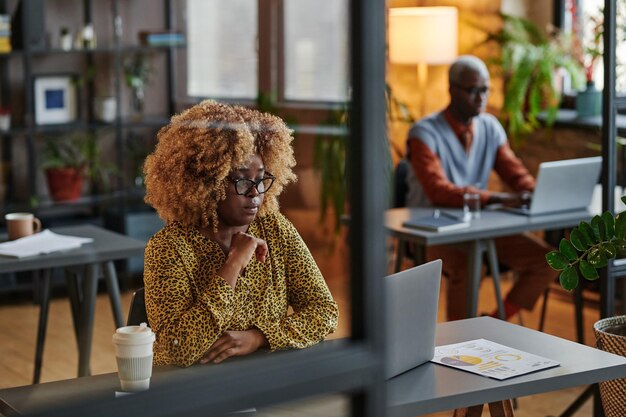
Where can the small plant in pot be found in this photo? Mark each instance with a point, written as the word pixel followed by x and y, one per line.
pixel 590 247
pixel 69 160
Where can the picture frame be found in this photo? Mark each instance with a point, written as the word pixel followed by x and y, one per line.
pixel 56 99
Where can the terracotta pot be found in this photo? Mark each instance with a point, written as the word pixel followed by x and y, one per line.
pixel 64 184
pixel 611 337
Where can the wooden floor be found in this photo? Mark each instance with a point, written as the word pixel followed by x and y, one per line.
pixel 18 323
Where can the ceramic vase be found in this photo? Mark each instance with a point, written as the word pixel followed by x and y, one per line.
pixel 589 101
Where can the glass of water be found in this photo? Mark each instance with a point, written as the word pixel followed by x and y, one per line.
pixel 471 205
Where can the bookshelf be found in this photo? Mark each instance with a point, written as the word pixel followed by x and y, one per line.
pixel 37 51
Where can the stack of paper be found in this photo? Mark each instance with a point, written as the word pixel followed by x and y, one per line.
pixel 40 243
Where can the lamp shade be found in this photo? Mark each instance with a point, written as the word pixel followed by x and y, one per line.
pixel 423 35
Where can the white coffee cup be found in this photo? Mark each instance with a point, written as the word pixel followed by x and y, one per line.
pixel 21 225
pixel 133 351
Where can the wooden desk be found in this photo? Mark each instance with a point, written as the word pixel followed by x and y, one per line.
pixel 479 238
pixel 426 389
pixel 106 247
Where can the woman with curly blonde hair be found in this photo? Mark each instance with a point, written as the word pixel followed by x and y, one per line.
pixel 220 276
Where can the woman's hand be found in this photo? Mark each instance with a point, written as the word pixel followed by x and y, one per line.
pixel 242 248
pixel 234 343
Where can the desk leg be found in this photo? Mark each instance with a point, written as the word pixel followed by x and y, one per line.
pixel 90 288
pixel 73 290
pixel 473 411
pixel 578 314
pixel 44 287
pixel 474 263
pixel 419 254
pixel 495 275
pixel 400 253
pixel 114 292
pixel 496 409
pixel 501 409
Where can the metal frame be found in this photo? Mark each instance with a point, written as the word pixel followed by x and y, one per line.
pixel 610 106
pixel 353 367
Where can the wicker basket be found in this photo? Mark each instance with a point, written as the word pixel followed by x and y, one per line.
pixel 612 392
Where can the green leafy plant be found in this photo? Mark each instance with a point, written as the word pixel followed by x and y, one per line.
pixel 65 152
pixel 589 248
pixel 137 71
pixel 137 74
pixel 330 155
pixel 529 62
pixel 329 158
pixel 81 152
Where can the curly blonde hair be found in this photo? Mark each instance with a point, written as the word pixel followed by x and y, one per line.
pixel 186 174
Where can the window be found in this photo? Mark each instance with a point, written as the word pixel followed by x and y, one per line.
pixel 224 60
pixel 222 55
pixel 585 19
pixel 316 47
pixel 353 367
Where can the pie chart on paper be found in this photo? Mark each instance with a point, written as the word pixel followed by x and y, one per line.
pixel 461 360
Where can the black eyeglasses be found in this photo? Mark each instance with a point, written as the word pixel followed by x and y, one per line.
pixel 243 186
pixel 473 91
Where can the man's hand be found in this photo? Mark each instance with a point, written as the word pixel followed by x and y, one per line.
pixel 235 343
pixel 510 199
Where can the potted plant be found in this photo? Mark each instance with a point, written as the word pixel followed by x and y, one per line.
pixel 588 51
pixel 529 62
pixel 330 151
pixel 69 160
pixel 137 74
pixel 590 247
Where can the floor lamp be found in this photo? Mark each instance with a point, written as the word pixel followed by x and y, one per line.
pixel 423 36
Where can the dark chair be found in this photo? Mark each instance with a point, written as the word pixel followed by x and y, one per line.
pixel 399 183
pixel 400 189
pixel 137 312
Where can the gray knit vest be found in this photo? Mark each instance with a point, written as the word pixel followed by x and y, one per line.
pixel 460 168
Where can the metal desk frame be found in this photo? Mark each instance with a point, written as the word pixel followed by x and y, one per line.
pixel 107 247
pixel 479 238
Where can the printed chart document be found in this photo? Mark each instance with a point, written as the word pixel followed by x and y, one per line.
pixel 490 359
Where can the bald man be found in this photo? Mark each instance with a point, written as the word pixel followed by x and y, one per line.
pixel 455 150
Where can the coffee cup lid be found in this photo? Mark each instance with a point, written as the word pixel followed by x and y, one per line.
pixel 130 335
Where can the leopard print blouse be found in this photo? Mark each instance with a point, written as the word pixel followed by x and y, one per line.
pixel 189 306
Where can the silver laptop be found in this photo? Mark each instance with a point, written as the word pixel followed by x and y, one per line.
pixel 565 185
pixel 412 298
